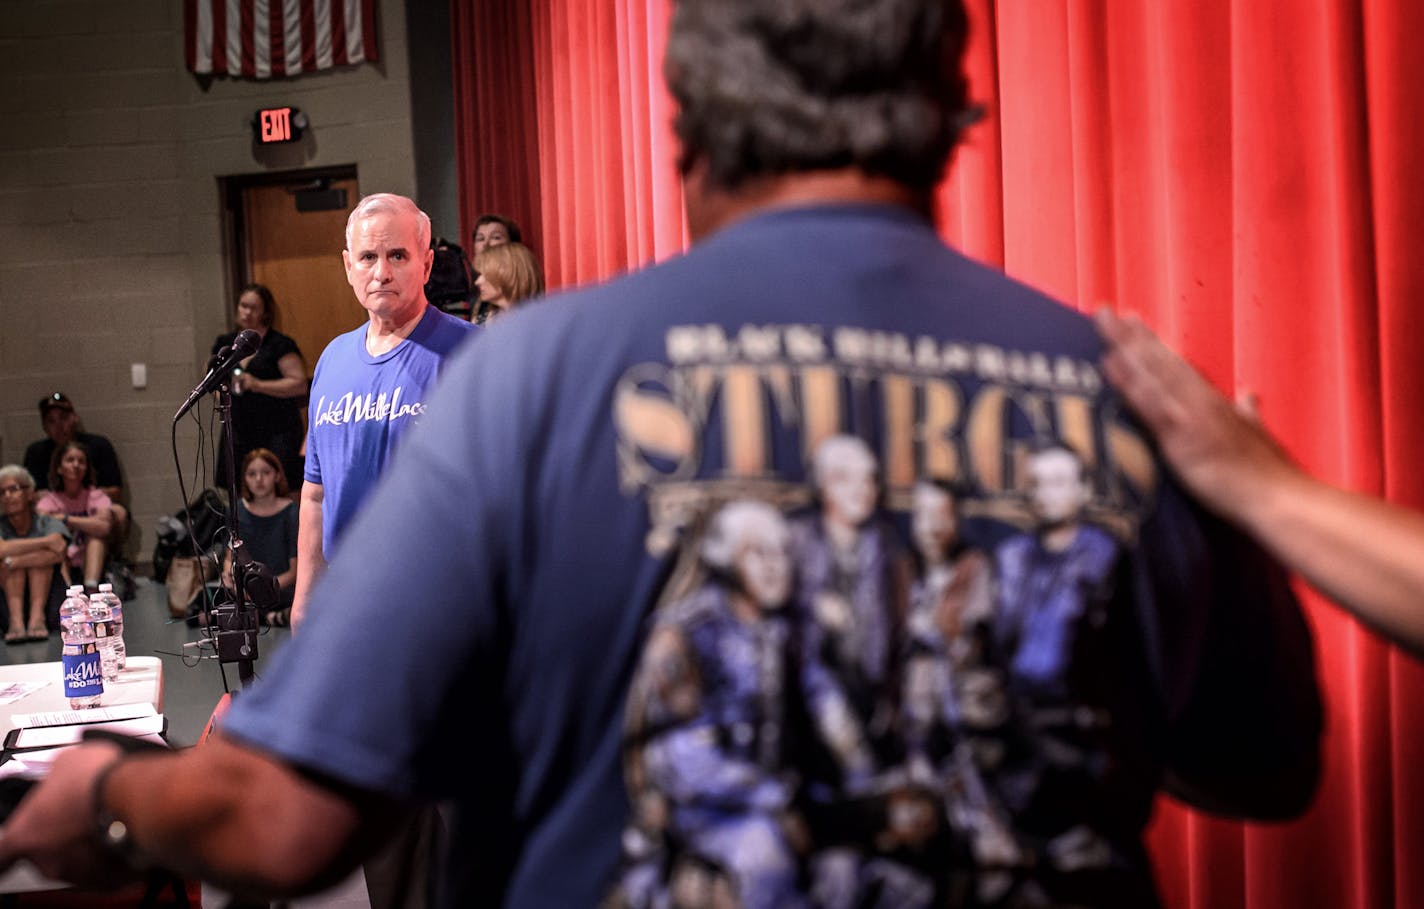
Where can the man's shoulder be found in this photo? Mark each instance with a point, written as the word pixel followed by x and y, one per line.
pixel 94 442
pixel 443 331
pixel 341 349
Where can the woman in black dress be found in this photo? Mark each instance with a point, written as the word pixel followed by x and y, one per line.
pixel 267 390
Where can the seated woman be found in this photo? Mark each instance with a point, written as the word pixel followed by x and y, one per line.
pixel 31 546
pixel 508 275
pixel 75 499
pixel 267 524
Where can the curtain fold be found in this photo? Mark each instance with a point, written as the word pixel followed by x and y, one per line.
pixel 1245 175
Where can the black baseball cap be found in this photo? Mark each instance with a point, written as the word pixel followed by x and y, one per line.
pixel 56 400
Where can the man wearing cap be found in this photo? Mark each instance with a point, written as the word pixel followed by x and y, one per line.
pixel 61 426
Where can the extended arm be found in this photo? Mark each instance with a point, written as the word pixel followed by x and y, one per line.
pixel 34 551
pixel 291 384
pixel 95 525
pixel 310 560
pixel 221 811
pixel 1363 553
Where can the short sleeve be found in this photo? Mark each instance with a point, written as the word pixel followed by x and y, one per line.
pixel 99 501
pixel 46 525
pixel 284 345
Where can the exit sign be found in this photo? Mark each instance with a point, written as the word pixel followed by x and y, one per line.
pixel 278 124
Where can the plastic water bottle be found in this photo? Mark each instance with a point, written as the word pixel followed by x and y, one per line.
pixel 116 616
pixel 83 670
pixel 102 621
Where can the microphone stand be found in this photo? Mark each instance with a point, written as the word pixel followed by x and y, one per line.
pixel 237 627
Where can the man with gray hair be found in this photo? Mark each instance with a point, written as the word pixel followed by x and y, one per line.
pixel 371 384
pixel 369 389
pixel 499 585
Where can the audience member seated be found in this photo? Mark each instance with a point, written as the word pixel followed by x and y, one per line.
pixel 492 230
pixel 61 425
pixel 267 524
pixel 508 274
pixel 75 501
pixel 32 547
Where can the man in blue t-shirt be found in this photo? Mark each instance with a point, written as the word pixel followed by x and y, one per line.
pixel 536 626
pixel 371 384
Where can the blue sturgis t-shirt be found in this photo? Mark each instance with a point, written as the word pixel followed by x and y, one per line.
pixel 361 405
pixel 815 567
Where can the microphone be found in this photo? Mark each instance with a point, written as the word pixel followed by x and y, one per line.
pixel 243 346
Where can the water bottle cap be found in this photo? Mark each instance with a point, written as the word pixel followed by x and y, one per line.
pixel 106 588
pixel 75 588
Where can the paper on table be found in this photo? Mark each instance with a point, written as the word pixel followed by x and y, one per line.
pixel 32 763
pixel 12 692
pixel 92 715
pixel 52 736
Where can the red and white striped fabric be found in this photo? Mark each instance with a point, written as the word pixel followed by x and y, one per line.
pixel 260 39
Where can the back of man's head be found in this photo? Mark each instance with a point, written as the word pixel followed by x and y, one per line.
pixel 805 85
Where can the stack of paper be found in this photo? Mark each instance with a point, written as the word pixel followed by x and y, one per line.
pixel 38 738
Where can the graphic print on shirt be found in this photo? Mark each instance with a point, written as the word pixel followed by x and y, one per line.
pixel 352 407
pixel 870 679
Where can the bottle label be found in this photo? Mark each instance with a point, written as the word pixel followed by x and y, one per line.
pixel 83 674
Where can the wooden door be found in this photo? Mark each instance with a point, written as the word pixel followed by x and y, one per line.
pixel 298 255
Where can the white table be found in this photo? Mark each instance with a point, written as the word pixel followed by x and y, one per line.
pixel 141 681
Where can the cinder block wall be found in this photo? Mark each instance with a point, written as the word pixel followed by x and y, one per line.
pixel 111 239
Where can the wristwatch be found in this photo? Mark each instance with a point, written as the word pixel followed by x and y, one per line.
pixel 112 833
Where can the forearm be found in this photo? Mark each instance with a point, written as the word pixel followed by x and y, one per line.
pixel 1364 554
pixel 236 818
pixel 92 525
pixel 284 387
pixel 311 561
pixel 35 559
pixel 50 544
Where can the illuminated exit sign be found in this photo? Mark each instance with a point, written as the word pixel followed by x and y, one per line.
pixel 278 124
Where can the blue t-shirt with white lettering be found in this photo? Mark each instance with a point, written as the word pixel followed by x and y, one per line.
pixel 815 567
pixel 361 406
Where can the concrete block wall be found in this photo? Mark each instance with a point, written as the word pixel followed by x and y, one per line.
pixel 111 237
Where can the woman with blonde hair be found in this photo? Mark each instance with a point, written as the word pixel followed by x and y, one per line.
pixel 508 274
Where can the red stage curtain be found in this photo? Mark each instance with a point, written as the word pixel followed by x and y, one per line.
pixel 1246 175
